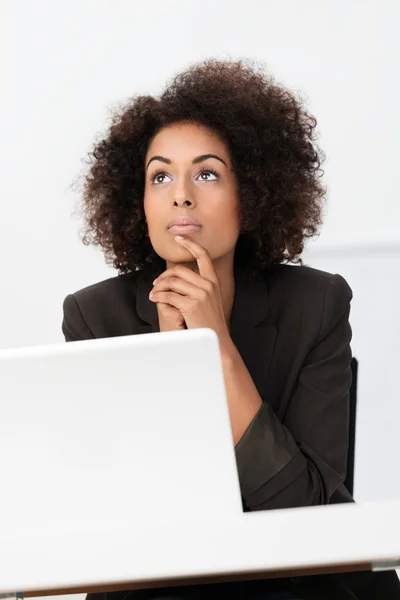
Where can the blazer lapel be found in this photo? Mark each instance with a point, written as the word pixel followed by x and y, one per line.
pixel 252 330
pixel 145 309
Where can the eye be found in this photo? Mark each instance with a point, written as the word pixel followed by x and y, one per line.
pixel 204 171
pixel 155 178
pixel 157 175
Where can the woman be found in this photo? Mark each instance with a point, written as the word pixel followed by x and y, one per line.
pixel 225 158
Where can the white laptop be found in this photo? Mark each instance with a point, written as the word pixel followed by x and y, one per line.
pixel 115 430
pixel 118 468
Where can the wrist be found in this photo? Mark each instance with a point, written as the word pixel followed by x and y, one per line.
pixel 228 350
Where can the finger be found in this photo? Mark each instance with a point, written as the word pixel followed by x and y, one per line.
pixel 183 273
pixel 204 262
pixel 181 286
pixel 172 298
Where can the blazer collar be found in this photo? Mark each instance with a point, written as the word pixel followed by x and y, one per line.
pixel 252 330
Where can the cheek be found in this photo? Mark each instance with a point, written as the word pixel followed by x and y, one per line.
pixel 152 214
pixel 228 217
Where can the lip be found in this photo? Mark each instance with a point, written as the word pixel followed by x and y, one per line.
pixel 182 229
pixel 183 221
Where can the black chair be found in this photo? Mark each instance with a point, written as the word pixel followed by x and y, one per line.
pixel 349 481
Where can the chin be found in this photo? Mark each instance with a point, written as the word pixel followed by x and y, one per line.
pixel 176 253
pixel 180 257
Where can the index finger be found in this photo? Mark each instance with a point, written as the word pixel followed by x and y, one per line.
pixel 203 258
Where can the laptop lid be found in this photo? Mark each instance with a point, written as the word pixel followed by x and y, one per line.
pixel 108 430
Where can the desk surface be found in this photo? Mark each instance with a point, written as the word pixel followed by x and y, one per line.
pixel 258 544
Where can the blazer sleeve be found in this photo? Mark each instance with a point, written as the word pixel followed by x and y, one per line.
pixel 74 326
pixel 302 461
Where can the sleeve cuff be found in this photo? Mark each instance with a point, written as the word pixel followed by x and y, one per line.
pixel 265 448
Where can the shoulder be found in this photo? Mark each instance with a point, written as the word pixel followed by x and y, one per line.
pixel 308 295
pixel 101 309
pixel 308 283
pixel 106 290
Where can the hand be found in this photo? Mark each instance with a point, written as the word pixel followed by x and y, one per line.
pixel 169 317
pixel 196 296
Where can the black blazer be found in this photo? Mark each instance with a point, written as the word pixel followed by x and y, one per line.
pixel 293 333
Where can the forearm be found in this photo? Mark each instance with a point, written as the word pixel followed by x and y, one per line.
pixel 273 472
pixel 244 401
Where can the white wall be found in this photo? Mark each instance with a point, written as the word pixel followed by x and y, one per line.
pixel 65 64
pixel 375 280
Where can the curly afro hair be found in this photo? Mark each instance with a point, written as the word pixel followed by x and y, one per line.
pixel 269 136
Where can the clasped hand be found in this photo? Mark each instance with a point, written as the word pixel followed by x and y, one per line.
pixel 196 295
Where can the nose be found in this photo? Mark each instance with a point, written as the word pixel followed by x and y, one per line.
pixel 182 202
pixel 182 197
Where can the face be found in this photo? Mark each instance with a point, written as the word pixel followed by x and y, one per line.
pixel 181 182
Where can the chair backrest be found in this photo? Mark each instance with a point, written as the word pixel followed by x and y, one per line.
pixel 349 481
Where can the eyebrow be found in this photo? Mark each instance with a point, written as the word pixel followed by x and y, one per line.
pixel 195 161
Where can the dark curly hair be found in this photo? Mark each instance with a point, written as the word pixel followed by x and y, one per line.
pixel 270 139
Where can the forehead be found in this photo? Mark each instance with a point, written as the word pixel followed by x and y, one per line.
pixel 184 140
